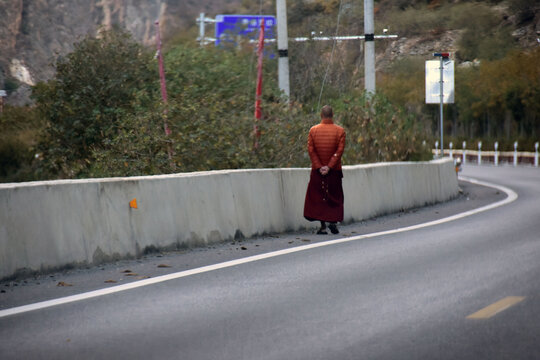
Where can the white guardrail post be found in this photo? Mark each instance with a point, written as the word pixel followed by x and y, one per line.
pixel 496 158
pixel 514 158
pixel 515 153
pixel 479 153
pixel 536 154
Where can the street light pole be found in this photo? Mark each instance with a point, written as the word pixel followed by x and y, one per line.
pixel 441 87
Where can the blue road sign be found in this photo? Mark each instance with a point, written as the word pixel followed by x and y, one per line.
pixel 228 27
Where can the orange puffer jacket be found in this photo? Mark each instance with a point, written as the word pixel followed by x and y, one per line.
pixel 326 142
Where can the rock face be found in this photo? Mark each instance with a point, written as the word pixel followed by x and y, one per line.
pixel 34 32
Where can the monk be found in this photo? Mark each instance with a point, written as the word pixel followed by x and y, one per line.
pixel 324 196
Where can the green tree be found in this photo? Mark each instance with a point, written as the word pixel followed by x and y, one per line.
pixel 484 37
pixel 505 96
pixel 211 116
pixel 378 130
pixel 92 90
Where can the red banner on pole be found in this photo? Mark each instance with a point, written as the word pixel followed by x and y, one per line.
pixel 163 93
pixel 162 77
pixel 258 92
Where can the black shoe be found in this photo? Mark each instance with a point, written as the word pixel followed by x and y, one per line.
pixel 333 228
pixel 322 232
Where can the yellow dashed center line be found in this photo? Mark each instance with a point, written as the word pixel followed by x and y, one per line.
pixel 496 308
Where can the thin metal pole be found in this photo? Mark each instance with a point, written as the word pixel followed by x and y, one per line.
pixel 161 66
pixel 162 78
pixel 258 91
pixel 163 92
pixel 441 108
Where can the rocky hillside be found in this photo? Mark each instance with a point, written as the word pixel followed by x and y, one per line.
pixel 525 34
pixel 33 33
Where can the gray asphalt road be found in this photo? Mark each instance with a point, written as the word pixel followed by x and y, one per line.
pixel 398 296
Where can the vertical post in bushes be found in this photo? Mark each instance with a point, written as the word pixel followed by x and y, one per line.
pixel 451 146
pixel 536 154
pixel 515 153
pixel 479 153
pixel 201 29
pixel 159 55
pixel 464 144
pixel 2 95
pixel 258 91
pixel 496 159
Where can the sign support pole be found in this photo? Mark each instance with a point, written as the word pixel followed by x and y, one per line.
pixel 369 47
pixel 282 42
pixel 201 29
pixel 442 57
pixel 283 48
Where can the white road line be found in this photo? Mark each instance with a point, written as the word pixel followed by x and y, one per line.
pixel 111 290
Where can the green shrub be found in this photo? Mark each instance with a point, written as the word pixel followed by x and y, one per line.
pixel 20 129
pixel 420 20
pixel 483 36
pixel 93 89
pixel 111 123
pixel 378 131
pixel 10 85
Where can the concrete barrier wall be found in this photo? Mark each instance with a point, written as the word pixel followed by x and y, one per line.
pixel 52 224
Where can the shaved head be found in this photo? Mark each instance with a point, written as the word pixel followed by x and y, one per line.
pixel 327 112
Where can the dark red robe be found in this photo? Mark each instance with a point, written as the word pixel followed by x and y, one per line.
pixel 324 197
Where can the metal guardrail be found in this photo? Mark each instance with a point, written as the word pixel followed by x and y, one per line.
pixel 492 157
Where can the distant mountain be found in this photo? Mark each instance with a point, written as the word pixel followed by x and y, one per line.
pixel 33 33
